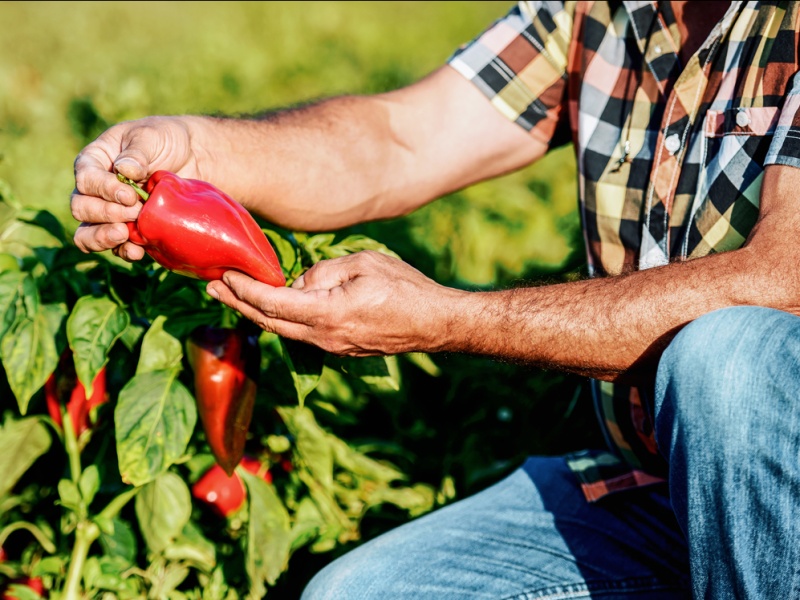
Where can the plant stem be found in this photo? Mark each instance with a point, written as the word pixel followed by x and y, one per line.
pixel 142 194
pixel 85 535
pixel 118 503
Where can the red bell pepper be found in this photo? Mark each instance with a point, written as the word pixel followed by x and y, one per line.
pixel 225 364
pixel 64 387
pixel 192 228
pixel 225 493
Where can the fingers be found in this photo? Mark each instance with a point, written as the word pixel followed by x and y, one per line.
pixel 93 176
pixel 96 238
pixel 328 274
pixel 129 251
pixel 275 302
pixel 90 209
pixel 285 328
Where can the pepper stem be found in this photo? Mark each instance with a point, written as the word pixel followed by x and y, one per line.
pixel 142 194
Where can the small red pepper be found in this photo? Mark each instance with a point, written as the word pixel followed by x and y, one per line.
pixel 34 583
pixel 225 493
pixel 225 364
pixel 64 387
pixel 192 228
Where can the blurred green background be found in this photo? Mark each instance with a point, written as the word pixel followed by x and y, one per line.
pixel 70 69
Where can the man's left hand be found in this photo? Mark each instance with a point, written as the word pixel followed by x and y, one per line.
pixel 364 304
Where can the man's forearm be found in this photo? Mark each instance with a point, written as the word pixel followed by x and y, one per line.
pixel 613 328
pixel 316 167
pixel 354 158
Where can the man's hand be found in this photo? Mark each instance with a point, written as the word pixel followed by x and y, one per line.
pixel 136 149
pixel 359 305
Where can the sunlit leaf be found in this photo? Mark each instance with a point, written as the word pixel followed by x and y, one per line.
pixel 268 539
pixel 163 508
pixel 154 417
pixel 21 442
pixel 160 350
pixel 29 355
pixel 92 328
pixel 305 363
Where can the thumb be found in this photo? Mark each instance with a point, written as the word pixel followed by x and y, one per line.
pixel 132 163
pixel 327 274
pixel 137 152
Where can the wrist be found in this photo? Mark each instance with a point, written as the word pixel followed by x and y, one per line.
pixel 456 323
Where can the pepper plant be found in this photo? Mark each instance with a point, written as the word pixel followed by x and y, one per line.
pixel 108 484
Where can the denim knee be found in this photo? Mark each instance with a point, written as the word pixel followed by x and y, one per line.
pixel 711 373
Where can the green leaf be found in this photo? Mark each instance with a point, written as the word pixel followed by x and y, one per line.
pixel 49 565
pixel 154 417
pixel 379 373
pixel 131 336
pixel 92 328
pixel 10 294
pixel 109 573
pixel 268 539
pixel 163 508
pixel 424 362
pixel 55 313
pixel 287 253
pixel 193 548
pixel 120 541
pixel 361 464
pixel 29 353
pixel 21 592
pixel 70 495
pixel 356 243
pixel 305 363
pixel 314 244
pixel 21 443
pixel 89 483
pixel 44 219
pixel 160 350
pixel 312 443
pixel 417 500
pixel 307 523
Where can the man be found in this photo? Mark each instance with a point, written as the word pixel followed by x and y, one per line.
pixel 685 121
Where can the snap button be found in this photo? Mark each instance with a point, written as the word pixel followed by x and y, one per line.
pixel 742 119
pixel 672 143
pixel 657 49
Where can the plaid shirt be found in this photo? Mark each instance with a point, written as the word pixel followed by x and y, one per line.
pixel 670 156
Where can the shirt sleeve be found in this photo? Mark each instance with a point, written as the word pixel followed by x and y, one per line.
pixel 785 146
pixel 520 64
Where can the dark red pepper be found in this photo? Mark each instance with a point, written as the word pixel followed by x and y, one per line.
pixel 225 364
pixel 64 388
pixel 225 493
pixel 195 229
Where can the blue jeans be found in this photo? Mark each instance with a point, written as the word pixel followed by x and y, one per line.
pixel 727 525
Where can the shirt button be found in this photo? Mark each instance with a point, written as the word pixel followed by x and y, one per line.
pixel 657 49
pixel 672 143
pixel 742 119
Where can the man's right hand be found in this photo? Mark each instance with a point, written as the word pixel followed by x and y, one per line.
pixel 136 149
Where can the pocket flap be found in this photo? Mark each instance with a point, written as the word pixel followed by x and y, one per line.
pixel 760 120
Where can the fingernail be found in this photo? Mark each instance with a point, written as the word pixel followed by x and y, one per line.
pixel 116 236
pixel 213 293
pixel 121 196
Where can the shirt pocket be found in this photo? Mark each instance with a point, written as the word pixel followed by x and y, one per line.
pixel 725 207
